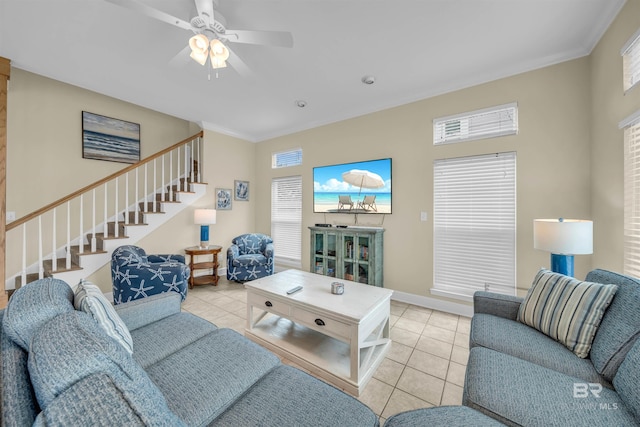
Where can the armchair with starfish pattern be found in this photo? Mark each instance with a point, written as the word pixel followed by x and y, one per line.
pixel 250 257
pixel 136 275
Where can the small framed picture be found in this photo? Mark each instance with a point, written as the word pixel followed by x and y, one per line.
pixel 223 198
pixel 241 190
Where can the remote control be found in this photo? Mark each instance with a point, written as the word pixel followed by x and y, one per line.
pixel 294 290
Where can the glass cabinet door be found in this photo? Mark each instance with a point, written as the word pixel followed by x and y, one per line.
pixel 319 245
pixel 331 245
pixel 363 248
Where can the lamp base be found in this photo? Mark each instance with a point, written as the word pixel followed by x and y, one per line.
pixel 204 236
pixel 562 264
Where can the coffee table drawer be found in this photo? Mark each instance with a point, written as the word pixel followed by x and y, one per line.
pixel 321 323
pixel 269 304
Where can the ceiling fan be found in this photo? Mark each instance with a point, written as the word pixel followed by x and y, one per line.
pixel 211 35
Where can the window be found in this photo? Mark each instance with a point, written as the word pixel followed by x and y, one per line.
pixel 286 220
pixel 486 123
pixel 285 159
pixel 474 221
pixel 631 128
pixel 631 61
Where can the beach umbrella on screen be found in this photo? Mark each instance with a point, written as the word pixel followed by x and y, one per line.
pixel 363 179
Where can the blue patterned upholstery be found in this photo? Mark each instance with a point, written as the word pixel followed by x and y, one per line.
pixel 137 275
pixel 620 325
pixel 517 392
pixel 250 257
pixel 450 416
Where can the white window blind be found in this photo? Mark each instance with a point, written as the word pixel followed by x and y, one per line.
pixel 286 219
pixel 631 61
pixel 286 159
pixel 632 195
pixel 474 218
pixel 486 123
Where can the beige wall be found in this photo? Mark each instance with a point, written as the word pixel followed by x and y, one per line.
pixel 44 138
pixel 610 105
pixel 553 166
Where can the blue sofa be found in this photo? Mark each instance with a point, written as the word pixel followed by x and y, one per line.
pixel 250 257
pixel 520 376
pixel 136 275
pixel 60 368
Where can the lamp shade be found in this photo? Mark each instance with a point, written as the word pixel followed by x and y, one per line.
pixel 204 216
pixel 563 236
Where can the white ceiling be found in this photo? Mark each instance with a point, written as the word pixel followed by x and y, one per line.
pixel 414 48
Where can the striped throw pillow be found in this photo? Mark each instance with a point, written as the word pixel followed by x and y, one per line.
pixel 91 300
pixel 566 309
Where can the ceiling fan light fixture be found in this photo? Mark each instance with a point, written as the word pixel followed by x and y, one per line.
pixel 217 63
pixel 199 43
pixel 199 57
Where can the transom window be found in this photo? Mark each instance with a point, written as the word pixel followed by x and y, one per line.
pixel 631 61
pixel 486 123
pixel 286 159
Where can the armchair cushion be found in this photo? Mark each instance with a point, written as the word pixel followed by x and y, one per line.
pixel 136 275
pixel 566 309
pixel 253 259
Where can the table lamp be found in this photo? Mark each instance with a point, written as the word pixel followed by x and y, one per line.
pixel 564 238
pixel 204 217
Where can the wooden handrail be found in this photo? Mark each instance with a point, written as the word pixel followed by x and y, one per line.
pixel 97 184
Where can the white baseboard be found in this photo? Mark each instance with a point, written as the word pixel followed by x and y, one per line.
pixel 432 303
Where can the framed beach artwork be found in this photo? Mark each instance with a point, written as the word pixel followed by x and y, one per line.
pixel 223 198
pixel 106 138
pixel 241 190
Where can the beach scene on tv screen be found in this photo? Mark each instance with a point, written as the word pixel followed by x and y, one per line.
pixel 359 187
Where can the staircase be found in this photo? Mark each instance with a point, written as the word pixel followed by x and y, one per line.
pixel 118 210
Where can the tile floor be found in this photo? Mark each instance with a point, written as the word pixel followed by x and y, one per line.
pixel 425 366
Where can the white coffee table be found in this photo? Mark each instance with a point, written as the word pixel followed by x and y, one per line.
pixel 340 338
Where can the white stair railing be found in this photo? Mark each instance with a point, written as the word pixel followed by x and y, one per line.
pixel 25 251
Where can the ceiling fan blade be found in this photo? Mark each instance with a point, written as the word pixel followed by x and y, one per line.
pixel 205 7
pixel 238 64
pixel 270 38
pixel 153 13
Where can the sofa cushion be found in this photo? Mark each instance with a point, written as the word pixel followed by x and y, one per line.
pixel 201 380
pixel 89 298
pixel 71 347
pixel 522 341
pixel 566 309
pixel 626 380
pixel 96 401
pixel 518 392
pixel 160 339
pixel 33 305
pixel 289 397
pixel 450 416
pixel 620 326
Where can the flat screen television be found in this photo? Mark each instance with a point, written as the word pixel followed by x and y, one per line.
pixel 359 187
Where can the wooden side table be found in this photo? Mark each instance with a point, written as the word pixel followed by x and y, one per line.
pixel 208 279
